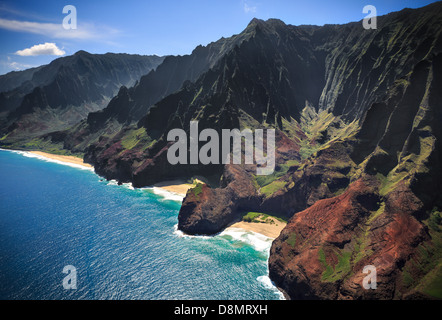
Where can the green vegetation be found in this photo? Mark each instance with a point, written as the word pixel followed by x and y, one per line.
pixel 408 165
pixel 376 213
pixel 291 128
pixel 348 258
pixel 360 248
pixel 259 217
pixel 340 270
pixel 307 149
pixel 246 121
pixel 197 95
pixel 134 137
pixel 322 259
pixel 319 130
pixel 278 173
pixel 251 217
pixel 291 240
pixel 435 220
pixel 271 188
pixel 197 189
pixel 432 283
pixel 39 144
pixel 407 278
pixel 428 261
pixel 388 183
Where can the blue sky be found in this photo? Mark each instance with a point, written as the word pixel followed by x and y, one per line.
pixel 161 27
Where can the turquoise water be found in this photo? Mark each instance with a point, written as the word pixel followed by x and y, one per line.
pixel 122 242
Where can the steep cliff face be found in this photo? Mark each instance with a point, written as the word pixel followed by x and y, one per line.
pixel 389 217
pixel 323 250
pixel 14 79
pixel 131 104
pixel 13 86
pixel 363 64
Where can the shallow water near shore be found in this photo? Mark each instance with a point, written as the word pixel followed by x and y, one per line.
pixel 122 241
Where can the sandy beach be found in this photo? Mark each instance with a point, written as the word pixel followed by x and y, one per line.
pixel 180 188
pixel 266 229
pixel 176 186
pixel 68 159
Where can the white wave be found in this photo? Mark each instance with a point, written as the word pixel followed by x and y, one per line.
pixel 165 194
pixel 112 183
pixel 181 234
pixel 40 157
pixel 268 284
pixel 128 186
pixel 258 241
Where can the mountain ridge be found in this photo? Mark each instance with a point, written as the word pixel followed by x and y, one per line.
pixel 63 92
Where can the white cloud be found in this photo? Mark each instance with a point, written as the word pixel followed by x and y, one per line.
pixel 13 65
pixel 41 49
pixel 19 66
pixel 85 31
pixel 248 8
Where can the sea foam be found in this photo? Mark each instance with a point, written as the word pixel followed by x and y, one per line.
pixel 181 234
pixel 166 195
pixel 258 241
pixel 268 284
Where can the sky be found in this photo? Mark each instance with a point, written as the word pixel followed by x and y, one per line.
pixel 32 32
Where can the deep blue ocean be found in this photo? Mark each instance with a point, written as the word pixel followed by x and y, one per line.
pixel 122 242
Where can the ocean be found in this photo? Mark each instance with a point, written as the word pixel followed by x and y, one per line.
pixel 123 242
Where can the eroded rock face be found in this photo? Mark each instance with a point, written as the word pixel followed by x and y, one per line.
pixel 323 250
pixel 383 218
pixel 209 211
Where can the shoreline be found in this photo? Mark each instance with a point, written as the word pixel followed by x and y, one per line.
pixel 178 187
pixel 67 159
pixel 269 230
pixel 175 187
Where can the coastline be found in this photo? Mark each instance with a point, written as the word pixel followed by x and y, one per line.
pixel 259 235
pixel 67 159
pixel 176 188
pixel 145 221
